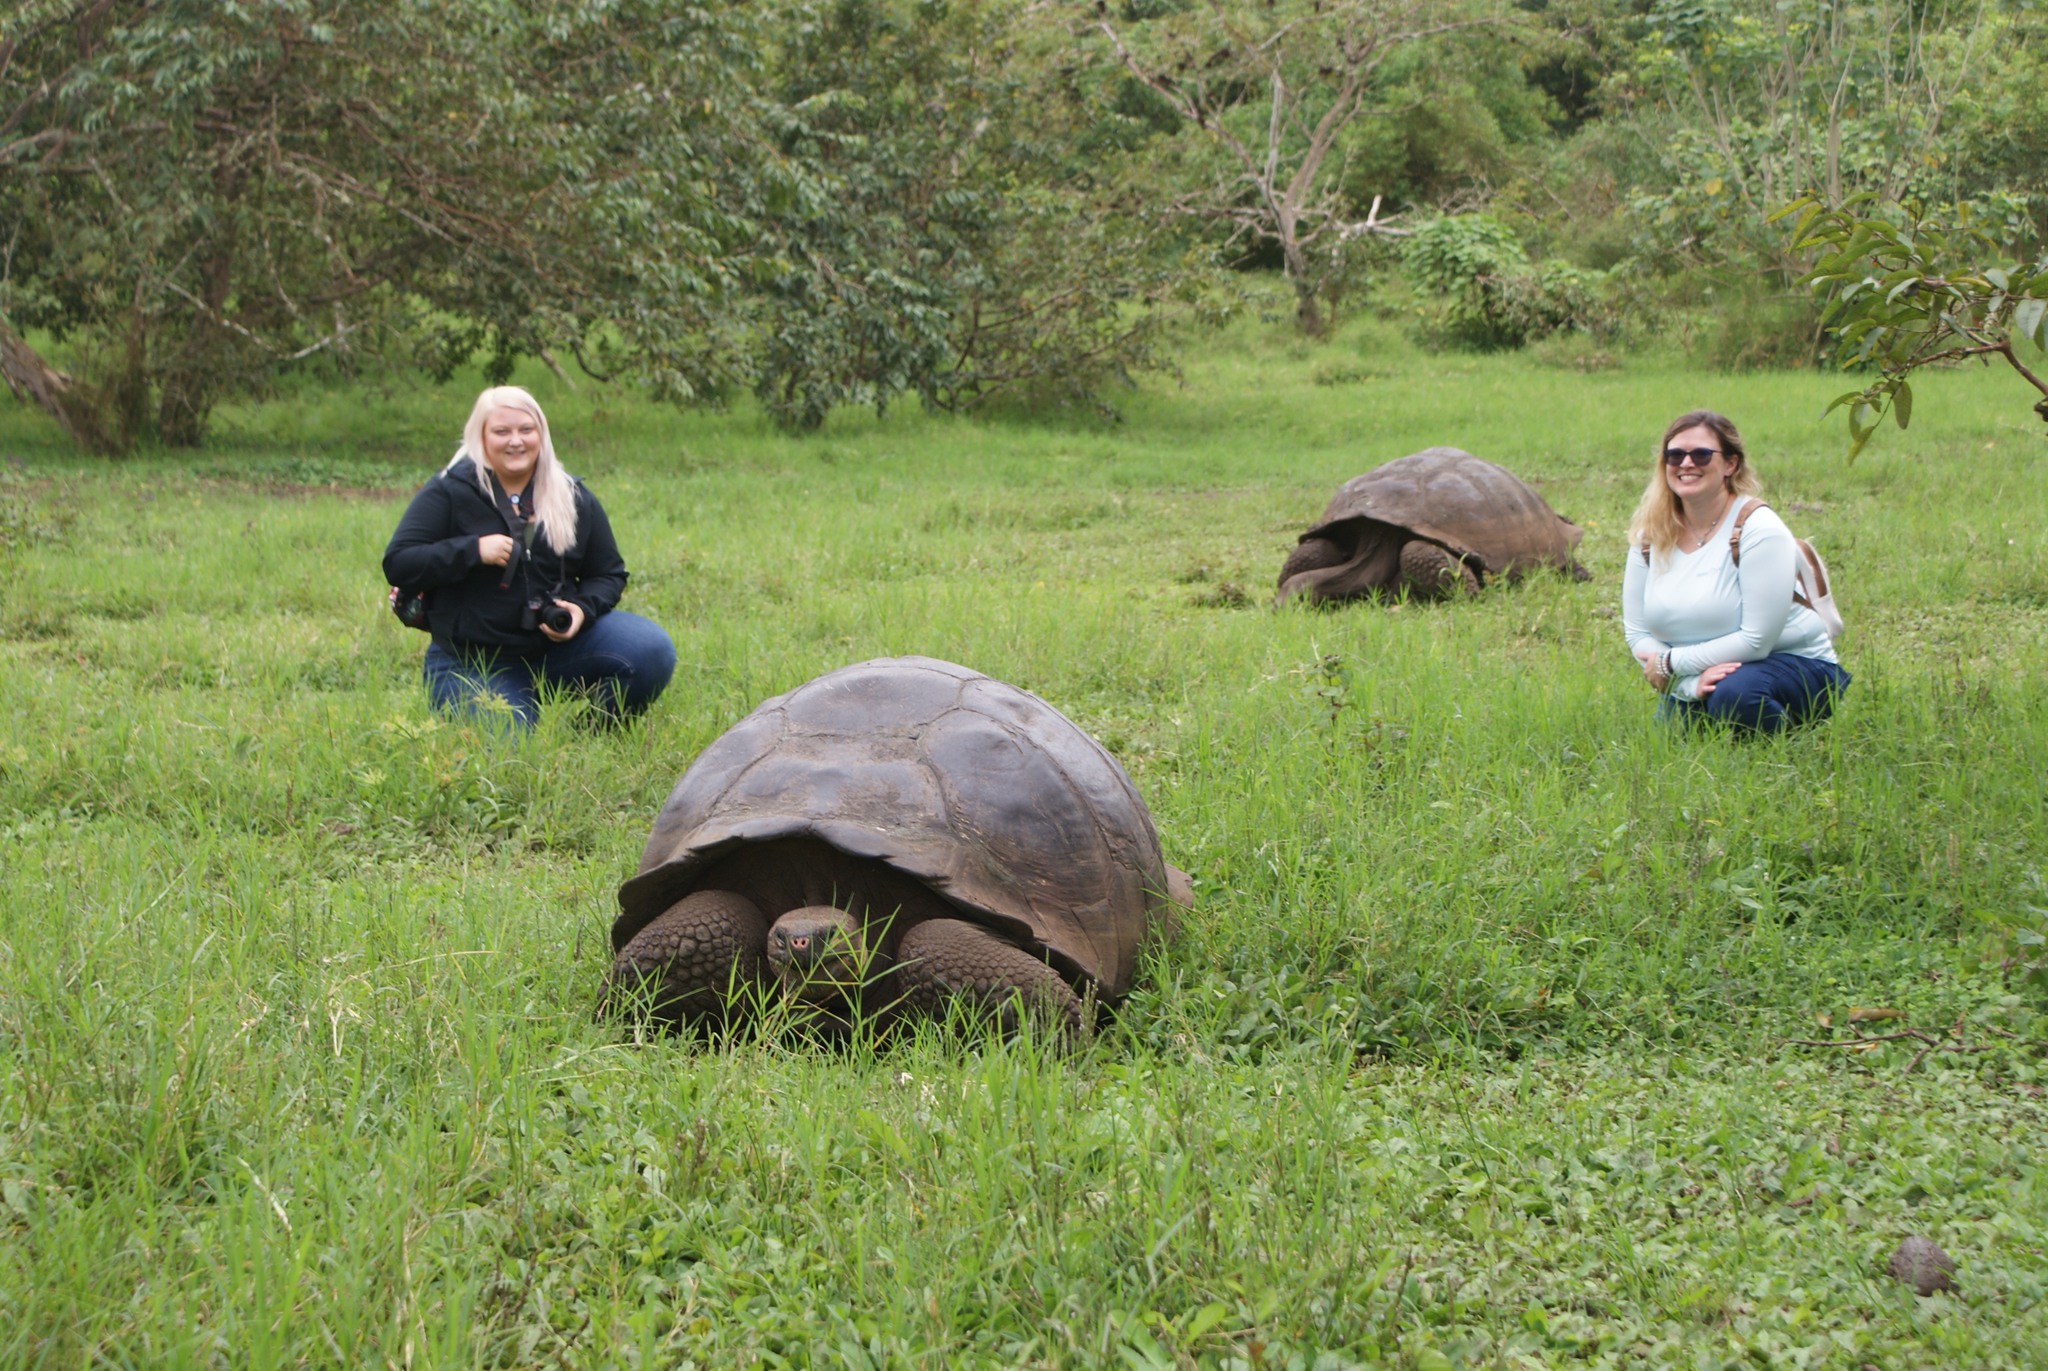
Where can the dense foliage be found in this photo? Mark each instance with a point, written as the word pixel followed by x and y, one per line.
pixel 954 236
pixel 197 194
pixel 1276 93
pixel 1492 295
pixel 834 202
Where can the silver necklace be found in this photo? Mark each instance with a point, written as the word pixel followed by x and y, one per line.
pixel 1699 540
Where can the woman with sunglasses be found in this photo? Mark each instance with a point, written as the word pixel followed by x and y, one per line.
pixel 1719 635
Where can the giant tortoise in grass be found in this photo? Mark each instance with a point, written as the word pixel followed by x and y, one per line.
pixel 1436 523
pixel 897 838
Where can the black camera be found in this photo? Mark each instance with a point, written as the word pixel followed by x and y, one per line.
pixel 410 606
pixel 545 613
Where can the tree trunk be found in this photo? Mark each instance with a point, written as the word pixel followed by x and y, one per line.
pixel 1308 309
pixel 57 395
pixel 184 403
pixel 197 371
pixel 125 397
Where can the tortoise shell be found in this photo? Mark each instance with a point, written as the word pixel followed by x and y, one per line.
pixel 985 794
pixel 1480 513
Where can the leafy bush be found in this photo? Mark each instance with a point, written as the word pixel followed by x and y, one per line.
pixel 1448 254
pixel 1756 329
pixel 1552 297
pixel 1493 296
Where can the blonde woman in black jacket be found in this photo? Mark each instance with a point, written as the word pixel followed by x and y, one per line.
pixel 522 575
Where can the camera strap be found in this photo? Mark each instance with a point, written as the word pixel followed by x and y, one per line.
pixel 522 530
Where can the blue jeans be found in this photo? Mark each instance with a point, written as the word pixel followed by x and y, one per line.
pixel 1782 691
pixel 620 660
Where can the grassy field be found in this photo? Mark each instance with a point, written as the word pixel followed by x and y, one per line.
pixel 1474 1053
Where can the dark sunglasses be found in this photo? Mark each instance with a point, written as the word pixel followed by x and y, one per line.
pixel 1675 456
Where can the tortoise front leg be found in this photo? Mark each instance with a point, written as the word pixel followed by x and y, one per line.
pixel 1430 573
pixel 945 962
pixel 686 961
pixel 1312 554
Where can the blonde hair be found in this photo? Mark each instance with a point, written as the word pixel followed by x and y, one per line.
pixel 553 492
pixel 1659 516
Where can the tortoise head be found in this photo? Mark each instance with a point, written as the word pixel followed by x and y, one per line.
pixel 817 954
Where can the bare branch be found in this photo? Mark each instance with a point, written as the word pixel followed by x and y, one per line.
pixel 1334 49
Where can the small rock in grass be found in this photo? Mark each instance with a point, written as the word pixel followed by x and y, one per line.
pixel 1924 1266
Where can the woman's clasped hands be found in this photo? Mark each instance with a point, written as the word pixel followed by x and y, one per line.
pixel 1657 671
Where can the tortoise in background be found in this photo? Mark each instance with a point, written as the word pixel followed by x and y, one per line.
pixel 904 834
pixel 1439 522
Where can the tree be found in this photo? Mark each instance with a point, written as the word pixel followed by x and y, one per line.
pixel 1907 290
pixel 833 201
pixel 944 240
pixel 1274 87
pixel 196 195
pixel 1753 101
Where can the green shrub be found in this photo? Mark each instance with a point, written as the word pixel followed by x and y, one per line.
pixel 1492 296
pixel 1755 328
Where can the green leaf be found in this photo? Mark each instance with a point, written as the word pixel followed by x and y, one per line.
pixel 2027 319
pixel 1902 404
pixel 1204 1319
pixel 1141 1351
pixel 1997 276
pixel 1801 203
pixel 1858 440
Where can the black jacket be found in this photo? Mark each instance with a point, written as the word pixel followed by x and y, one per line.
pixel 435 549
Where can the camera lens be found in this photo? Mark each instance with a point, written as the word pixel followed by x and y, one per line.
pixel 557 617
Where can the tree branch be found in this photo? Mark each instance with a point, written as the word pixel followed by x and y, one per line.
pixel 50 390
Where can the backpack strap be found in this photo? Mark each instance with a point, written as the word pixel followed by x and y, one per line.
pixel 1815 569
pixel 1749 507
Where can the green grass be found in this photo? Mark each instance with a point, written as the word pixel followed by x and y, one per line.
pixel 1473 1053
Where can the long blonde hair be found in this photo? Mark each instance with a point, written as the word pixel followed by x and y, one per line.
pixel 1659 516
pixel 553 492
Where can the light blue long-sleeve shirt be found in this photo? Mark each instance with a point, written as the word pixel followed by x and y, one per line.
pixel 1708 610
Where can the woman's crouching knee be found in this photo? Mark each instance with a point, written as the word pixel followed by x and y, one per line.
pixel 1778 693
pixel 648 658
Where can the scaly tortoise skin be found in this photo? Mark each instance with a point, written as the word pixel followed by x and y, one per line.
pixel 903 834
pixel 1436 523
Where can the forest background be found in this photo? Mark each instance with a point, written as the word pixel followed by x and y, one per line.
pixel 967 202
